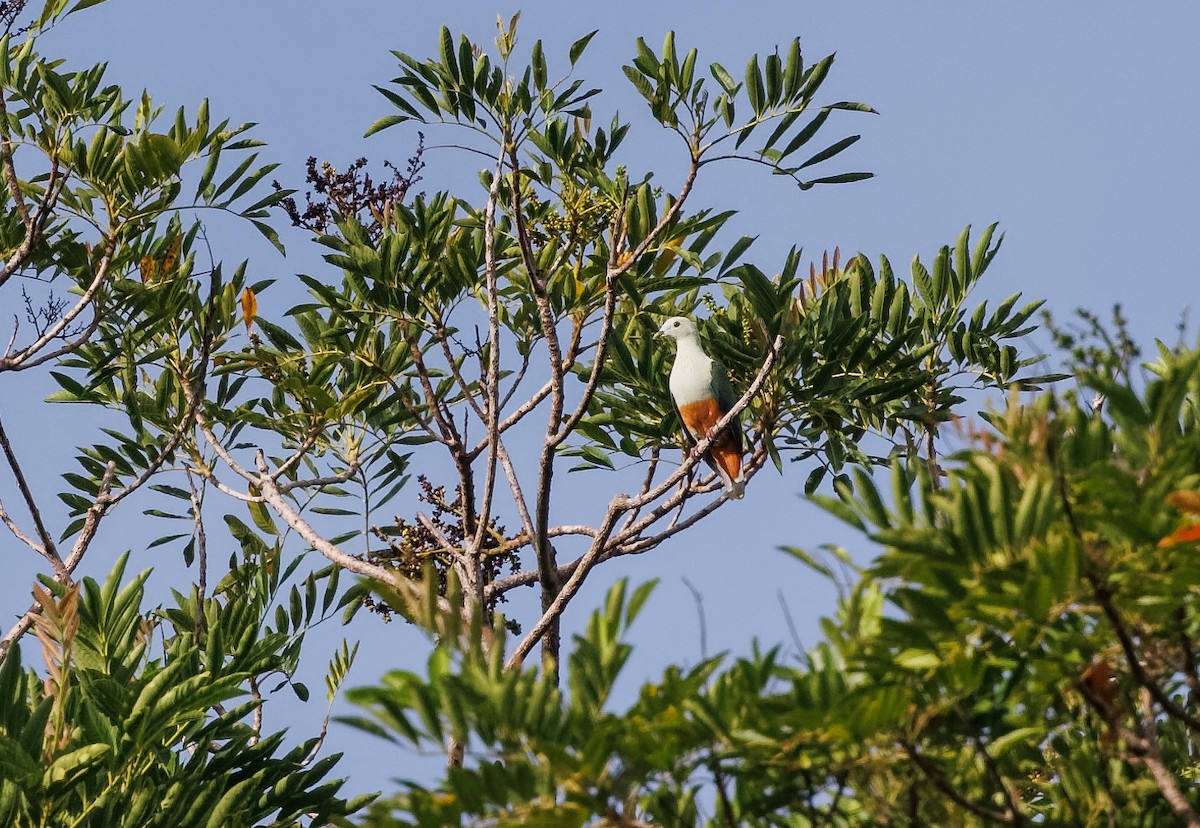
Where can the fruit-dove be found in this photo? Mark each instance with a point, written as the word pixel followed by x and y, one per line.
pixel 702 394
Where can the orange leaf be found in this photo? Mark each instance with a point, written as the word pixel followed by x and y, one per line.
pixel 1185 501
pixel 147 267
pixel 172 254
pixel 249 308
pixel 1184 534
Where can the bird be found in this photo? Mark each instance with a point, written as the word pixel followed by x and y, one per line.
pixel 702 395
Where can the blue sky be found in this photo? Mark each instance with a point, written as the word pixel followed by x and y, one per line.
pixel 1075 125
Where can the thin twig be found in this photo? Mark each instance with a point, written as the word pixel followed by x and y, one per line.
pixel 630 540
pixel 257 721
pixel 1003 784
pixel 18 360
pixel 492 417
pixel 1190 673
pixel 698 600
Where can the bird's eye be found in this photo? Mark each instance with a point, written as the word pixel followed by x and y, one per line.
pixel 676 323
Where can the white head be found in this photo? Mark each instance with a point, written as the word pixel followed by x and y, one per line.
pixel 678 327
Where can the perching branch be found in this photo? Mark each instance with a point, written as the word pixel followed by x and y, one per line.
pixel 606 545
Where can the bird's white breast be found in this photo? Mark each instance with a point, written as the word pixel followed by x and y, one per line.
pixel 691 375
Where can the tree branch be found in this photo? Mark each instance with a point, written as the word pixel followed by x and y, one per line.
pixel 1145 749
pixel 47 548
pixel 551 614
pixel 88 531
pixel 939 781
pixel 491 417
pixel 18 360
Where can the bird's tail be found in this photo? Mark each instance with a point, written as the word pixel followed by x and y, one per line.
pixel 736 487
pixel 728 463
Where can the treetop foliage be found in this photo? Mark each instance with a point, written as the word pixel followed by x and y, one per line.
pixel 1020 650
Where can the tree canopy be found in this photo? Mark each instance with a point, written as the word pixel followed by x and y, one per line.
pixel 1020 650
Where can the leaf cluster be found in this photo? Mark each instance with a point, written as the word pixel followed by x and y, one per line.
pixel 1021 650
pixel 126 737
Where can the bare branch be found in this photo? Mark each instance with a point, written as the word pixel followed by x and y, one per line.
pixel 1190 673
pixel 66 348
pixel 651 469
pixel 698 451
pixel 272 496
pixel 554 610
pixel 516 383
pixel 17 361
pixel 453 551
pixel 442 417
pixel 514 483
pixel 303 449
pixel 21 536
pixel 517 415
pixel 256 721
pixel 10 176
pixel 492 417
pixel 90 524
pixel 1010 797
pixel 1151 756
pixel 184 425
pixel 318 482
pixel 630 539
pixel 47 548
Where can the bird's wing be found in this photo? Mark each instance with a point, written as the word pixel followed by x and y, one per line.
pixel 726 399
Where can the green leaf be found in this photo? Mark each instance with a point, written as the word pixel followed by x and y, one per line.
pixel 81 5
pixel 262 518
pixel 754 87
pixel 639 82
pixel 721 76
pixel 843 178
pixel 919 660
pixel 538 62
pixel 383 123
pixel 446 44
pixel 578 47
pixel 70 766
pixel 806 133
pixel 830 151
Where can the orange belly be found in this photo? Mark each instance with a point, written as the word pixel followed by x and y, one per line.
pixel 725 453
